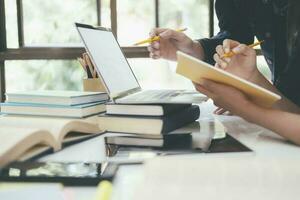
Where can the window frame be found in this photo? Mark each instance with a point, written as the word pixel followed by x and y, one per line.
pixel 24 52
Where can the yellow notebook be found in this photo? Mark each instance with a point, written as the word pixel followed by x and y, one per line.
pixel 195 70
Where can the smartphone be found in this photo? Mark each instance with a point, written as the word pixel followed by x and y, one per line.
pixel 69 174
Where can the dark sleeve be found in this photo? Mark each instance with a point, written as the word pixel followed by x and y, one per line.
pixel 232 26
pixel 288 83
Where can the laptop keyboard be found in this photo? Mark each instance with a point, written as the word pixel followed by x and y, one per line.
pixel 154 94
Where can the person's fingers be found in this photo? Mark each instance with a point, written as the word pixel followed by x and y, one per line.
pixel 229 44
pixel 220 50
pixel 212 86
pixel 172 34
pixel 155 45
pixel 218 66
pixel 153 56
pixel 244 49
pixel 220 111
pixel 150 49
pixel 156 31
pixel 215 111
pixel 153 51
pixel 219 61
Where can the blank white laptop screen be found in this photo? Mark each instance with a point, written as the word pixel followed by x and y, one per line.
pixel 109 60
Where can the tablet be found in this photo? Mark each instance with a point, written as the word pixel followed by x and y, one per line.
pixel 70 174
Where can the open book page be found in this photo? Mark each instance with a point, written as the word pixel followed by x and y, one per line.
pixel 58 127
pixel 222 176
pixel 36 150
pixel 15 141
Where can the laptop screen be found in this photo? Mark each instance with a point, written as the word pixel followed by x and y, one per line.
pixel 109 60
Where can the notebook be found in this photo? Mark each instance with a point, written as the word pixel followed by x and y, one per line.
pixel 148 124
pixel 55 97
pixel 144 110
pixel 76 111
pixel 195 70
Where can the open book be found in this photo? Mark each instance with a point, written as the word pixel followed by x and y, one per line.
pixel 23 137
pixel 195 70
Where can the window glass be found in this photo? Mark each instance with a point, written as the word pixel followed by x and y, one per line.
pixel 191 14
pixel 52 22
pixel 11 24
pixel 43 74
pixel 135 20
pixel 105 13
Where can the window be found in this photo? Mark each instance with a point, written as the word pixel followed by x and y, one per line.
pixel 39 44
pixel 52 22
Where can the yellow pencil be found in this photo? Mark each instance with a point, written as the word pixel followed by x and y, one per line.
pixel 150 40
pixel 231 53
pixel 104 191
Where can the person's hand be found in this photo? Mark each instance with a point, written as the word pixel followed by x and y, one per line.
pixel 242 64
pixel 224 96
pixel 170 42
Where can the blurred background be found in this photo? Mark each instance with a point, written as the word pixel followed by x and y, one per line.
pixel 50 24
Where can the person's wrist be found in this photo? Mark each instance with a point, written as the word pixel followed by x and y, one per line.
pixel 195 49
pixel 249 111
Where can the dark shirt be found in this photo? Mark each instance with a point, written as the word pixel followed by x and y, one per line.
pixel 289 80
pixel 242 20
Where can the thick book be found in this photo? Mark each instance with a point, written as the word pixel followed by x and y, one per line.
pixel 196 70
pixel 23 137
pixel 149 125
pixel 77 111
pixel 167 140
pixel 56 97
pixel 144 110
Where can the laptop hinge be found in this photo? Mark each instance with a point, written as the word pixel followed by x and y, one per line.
pixel 126 93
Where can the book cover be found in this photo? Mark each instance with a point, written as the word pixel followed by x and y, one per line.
pixel 56 97
pixel 195 70
pixel 144 110
pixel 147 124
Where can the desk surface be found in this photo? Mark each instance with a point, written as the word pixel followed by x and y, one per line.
pixel 260 140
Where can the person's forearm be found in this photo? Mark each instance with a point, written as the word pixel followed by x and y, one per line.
pixel 285 124
pixel 197 50
pixel 284 104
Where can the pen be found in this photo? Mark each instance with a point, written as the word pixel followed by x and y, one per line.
pixel 149 40
pixel 104 191
pixel 231 53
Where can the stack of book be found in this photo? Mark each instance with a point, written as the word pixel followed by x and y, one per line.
pixel 71 104
pixel 148 124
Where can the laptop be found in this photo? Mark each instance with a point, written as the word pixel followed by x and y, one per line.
pixel 117 76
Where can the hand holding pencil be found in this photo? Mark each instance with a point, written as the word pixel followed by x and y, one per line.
pixel 236 58
pixel 164 43
pixel 155 38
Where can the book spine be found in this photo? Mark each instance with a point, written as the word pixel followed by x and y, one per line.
pixel 181 118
